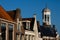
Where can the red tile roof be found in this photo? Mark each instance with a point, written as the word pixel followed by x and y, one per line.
pixel 4 14
pixel 12 14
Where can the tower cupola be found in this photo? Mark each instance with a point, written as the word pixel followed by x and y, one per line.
pixel 46 10
pixel 46 14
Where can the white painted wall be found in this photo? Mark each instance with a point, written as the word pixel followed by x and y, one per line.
pixel 35 28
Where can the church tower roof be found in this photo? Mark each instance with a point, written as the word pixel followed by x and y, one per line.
pixel 46 10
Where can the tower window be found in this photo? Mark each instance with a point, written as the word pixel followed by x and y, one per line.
pixel 48 18
pixel 45 17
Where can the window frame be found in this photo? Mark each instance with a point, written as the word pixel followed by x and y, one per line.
pixel 18 26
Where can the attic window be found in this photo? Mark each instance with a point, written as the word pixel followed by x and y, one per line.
pixel 26 24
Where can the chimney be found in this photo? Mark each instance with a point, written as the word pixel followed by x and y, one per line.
pixel 18 12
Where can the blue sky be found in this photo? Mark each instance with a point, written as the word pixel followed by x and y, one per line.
pixel 30 7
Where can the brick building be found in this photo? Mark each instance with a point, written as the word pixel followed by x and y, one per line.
pixel 10 26
pixel 14 27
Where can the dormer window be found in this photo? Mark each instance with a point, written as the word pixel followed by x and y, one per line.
pixel 26 24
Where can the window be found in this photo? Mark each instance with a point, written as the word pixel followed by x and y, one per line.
pixel 3 31
pixel 10 31
pixel 3 25
pixel 48 18
pixel 33 37
pixel 21 37
pixel 17 37
pixel 25 37
pixel 10 27
pixel 18 27
pixel 29 37
pixel 24 25
pixel 28 25
pixel 45 17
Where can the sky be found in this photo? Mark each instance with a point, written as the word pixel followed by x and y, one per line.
pixel 30 7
